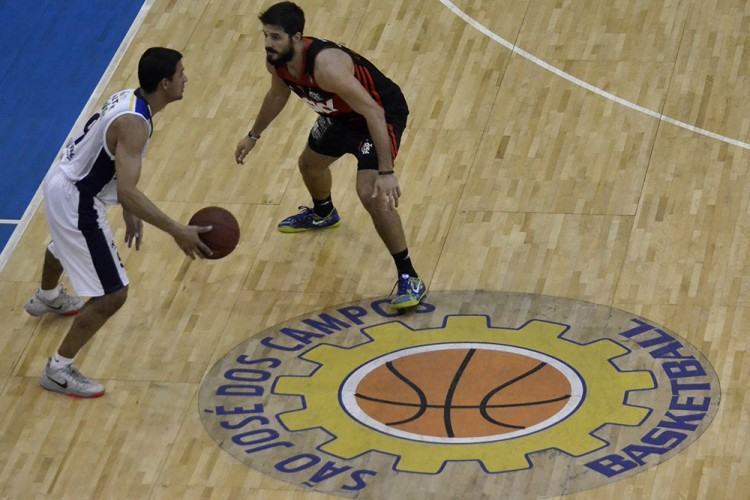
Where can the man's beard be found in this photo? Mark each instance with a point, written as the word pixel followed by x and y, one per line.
pixel 283 57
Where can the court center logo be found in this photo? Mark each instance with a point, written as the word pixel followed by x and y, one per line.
pixel 471 390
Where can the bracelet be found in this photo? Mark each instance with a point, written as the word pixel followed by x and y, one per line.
pixel 385 172
pixel 252 135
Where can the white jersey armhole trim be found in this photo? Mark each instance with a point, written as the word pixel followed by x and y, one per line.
pixel 106 129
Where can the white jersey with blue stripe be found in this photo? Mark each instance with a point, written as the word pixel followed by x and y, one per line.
pixel 87 161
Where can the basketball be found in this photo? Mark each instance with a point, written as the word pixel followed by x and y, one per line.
pixel 224 236
pixel 449 394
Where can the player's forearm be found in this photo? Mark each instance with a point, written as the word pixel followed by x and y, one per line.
pixel 378 129
pixel 269 110
pixel 135 202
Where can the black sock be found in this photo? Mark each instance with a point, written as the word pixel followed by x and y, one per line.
pixel 403 263
pixel 323 208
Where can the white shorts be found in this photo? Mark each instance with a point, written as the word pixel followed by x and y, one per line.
pixel 81 238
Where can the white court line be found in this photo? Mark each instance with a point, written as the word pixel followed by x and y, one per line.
pixel 596 90
pixel 9 221
pixel 88 109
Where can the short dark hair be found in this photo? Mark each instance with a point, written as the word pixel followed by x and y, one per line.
pixel 156 64
pixel 288 15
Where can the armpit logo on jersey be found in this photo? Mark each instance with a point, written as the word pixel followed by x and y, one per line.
pixel 497 387
pixel 366 147
pixel 320 127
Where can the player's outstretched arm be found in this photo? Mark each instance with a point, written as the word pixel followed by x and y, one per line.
pixel 129 134
pixel 275 100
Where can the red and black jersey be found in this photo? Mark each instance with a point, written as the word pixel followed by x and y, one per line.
pixel 381 88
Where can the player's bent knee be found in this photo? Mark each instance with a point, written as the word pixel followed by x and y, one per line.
pixel 308 167
pixel 108 304
pixel 375 206
pixel 304 164
pixel 365 191
pixel 116 300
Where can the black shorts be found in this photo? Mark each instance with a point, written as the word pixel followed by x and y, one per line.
pixel 336 138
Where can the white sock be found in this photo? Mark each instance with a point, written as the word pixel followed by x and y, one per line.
pixel 57 361
pixel 50 295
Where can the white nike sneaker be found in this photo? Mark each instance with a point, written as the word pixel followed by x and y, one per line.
pixel 64 304
pixel 68 380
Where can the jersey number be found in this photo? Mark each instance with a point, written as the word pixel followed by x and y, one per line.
pixel 87 127
pixel 70 149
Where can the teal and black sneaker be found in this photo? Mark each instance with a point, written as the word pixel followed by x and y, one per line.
pixel 307 220
pixel 411 291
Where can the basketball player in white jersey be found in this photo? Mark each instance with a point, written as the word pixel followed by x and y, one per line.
pixel 98 169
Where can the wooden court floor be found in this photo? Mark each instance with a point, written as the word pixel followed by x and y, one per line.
pixel 513 179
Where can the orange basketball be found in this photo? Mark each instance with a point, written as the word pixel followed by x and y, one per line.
pixel 463 393
pixel 224 236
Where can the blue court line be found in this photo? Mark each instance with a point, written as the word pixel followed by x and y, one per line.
pixel 54 54
pixel 6 230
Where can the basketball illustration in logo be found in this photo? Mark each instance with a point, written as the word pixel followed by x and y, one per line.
pixel 463 393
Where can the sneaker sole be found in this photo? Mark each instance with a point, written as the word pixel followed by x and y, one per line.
pixel 411 303
pixel 38 315
pixel 289 229
pixel 71 394
pixel 405 305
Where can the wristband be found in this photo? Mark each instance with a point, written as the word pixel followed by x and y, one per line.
pixel 385 172
pixel 252 135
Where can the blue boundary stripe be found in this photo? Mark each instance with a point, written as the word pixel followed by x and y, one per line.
pixel 6 230
pixel 53 57
pixel 54 62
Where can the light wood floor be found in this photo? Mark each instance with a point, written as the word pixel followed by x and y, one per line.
pixel 513 179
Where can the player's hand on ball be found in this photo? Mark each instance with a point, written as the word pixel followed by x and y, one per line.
pixel 245 145
pixel 387 187
pixel 188 240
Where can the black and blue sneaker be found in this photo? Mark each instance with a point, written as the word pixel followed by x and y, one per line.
pixel 411 291
pixel 307 220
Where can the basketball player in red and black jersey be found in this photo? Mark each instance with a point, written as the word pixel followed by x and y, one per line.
pixel 362 113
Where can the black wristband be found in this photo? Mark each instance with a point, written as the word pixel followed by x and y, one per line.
pixel 252 135
pixel 385 172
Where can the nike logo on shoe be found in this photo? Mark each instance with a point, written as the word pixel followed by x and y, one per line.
pixel 56 308
pixel 63 385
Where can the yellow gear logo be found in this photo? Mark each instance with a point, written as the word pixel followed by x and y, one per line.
pixel 604 401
